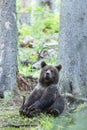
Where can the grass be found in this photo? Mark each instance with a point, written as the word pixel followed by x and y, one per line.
pixel 9 115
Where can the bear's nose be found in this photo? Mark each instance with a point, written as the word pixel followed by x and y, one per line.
pixel 48 72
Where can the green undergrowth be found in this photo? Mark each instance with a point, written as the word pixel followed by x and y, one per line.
pixel 11 120
pixel 31 55
pixel 44 28
pixel 45 22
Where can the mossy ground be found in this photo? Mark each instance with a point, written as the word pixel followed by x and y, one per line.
pixel 11 120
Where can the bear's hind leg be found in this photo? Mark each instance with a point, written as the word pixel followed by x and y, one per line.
pixel 57 107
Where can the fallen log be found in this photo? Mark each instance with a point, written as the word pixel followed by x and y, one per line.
pixel 16 125
pixel 73 97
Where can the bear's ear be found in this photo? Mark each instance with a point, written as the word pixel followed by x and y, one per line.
pixel 43 64
pixel 59 67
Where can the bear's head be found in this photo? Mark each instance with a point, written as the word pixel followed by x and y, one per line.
pixel 49 74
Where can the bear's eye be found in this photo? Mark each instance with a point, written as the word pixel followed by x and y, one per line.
pixel 45 71
pixel 52 71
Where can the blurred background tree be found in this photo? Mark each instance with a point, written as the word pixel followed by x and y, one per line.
pixel 8 47
pixel 73 46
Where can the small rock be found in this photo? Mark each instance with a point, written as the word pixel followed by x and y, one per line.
pixel 27 42
pixel 37 65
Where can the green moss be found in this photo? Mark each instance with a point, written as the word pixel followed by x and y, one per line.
pixel 9 115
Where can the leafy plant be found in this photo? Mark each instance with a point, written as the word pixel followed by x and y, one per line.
pixel 44 23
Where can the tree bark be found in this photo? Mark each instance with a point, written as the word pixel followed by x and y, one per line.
pixel 73 46
pixel 8 47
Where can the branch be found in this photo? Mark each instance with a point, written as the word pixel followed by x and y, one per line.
pixel 17 125
pixel 24 81
pixel 70 96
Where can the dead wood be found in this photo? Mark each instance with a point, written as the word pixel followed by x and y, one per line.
pixel 26 62
pixel 73 97
pixel 17 125
pixel 26 82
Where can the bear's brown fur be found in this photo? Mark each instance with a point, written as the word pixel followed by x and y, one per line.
pixel 45 97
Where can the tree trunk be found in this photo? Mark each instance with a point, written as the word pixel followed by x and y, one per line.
pixel 73 46
pixel 8 47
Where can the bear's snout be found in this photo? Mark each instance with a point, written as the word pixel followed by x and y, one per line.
pixel 48 74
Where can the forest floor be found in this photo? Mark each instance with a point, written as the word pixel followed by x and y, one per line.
pixel 10 118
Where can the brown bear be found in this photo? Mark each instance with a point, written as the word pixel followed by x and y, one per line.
pixel 45 97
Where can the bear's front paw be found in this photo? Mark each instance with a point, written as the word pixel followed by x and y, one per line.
pixel 23 110
pixel 34 106
pixel 31 108
pixel 34 113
